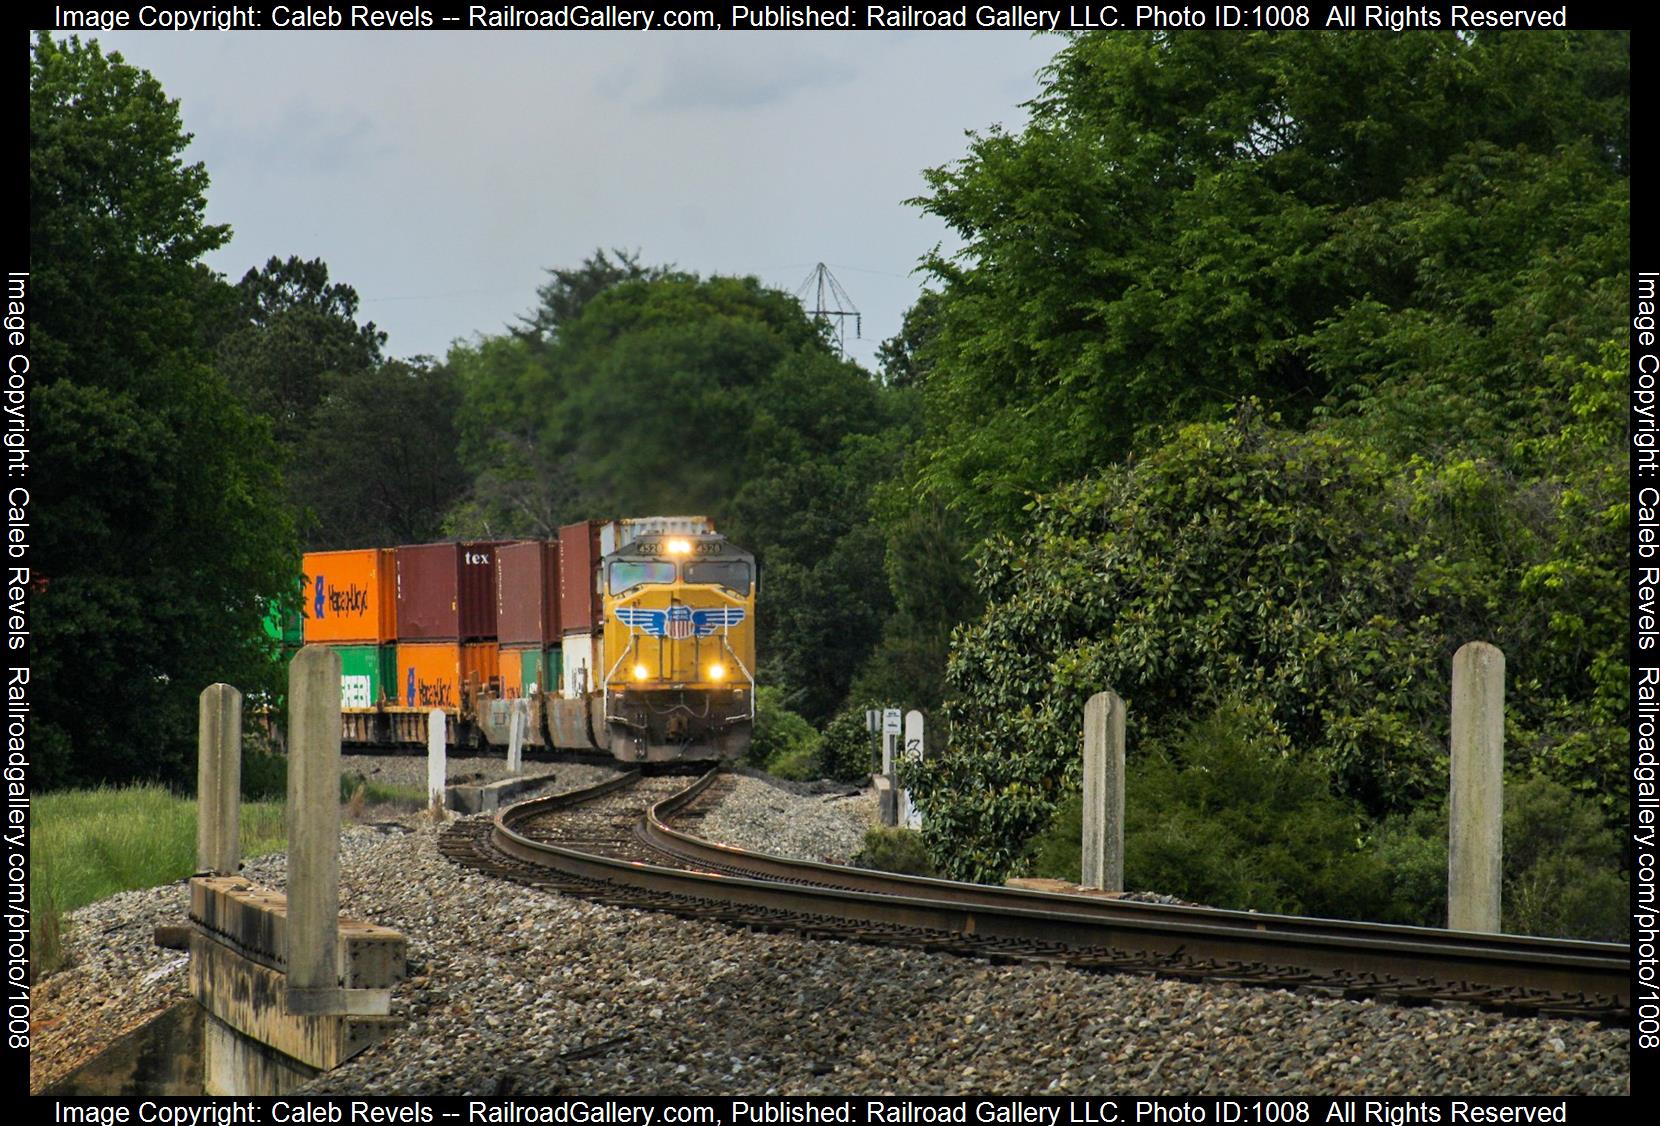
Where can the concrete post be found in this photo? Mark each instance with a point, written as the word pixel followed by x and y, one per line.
pixel 313 829
pixel 218 779
pixel 887 805
pixel 518 721
pixel 1475 823
pixel 436 767
pixel 1103 844
pixel 908 815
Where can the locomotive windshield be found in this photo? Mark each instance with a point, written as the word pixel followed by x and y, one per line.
pixel 732 574
pixel 626 574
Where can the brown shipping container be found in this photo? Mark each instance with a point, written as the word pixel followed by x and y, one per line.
pixel 350 596
pixel 447 591
pixel 527 593
pixel 579 600
pixel 435 674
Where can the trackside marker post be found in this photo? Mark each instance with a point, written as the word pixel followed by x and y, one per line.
pixel 218 779
pixel 313 829
pixel 436 768
pixel 518 722
pixel 1475 821
pixel 1103 843
pixel 909 816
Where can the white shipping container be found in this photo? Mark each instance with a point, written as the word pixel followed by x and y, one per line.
pixel 354 692
pixel 583 673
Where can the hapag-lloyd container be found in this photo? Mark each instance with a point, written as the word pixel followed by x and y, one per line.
pixel 527 593
pixel 350 596
pixel 444 674
pixel 447 591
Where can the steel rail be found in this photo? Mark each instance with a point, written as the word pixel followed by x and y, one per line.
pixel 1575 954
pixel 1519 973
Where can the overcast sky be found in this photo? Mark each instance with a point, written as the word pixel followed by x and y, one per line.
pixel 441 173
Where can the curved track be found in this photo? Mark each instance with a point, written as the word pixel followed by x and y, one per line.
pixel 613 843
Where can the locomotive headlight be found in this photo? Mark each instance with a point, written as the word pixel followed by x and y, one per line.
pixel 680 547
pixel 717 671
pixel 641 672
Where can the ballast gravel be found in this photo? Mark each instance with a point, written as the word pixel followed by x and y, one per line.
pixel 518 992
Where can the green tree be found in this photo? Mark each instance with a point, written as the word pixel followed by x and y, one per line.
pixel 904 357
pixel 397 488
pixel 160 529
pixel 657 392
pixel 1309 576
pixel 1189 219
pixel 288 331
pixel 567 291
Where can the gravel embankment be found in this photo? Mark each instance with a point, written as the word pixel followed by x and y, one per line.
pixel 514 991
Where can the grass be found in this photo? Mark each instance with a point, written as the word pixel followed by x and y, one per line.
pixel 357 791
pixel 90 844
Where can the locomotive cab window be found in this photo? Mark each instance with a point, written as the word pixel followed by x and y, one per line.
pixel 732 574
pixel 626 575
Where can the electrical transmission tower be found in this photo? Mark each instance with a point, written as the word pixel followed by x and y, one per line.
pixel 829 300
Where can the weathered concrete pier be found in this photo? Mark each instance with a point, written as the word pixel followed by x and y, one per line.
pixel 290 989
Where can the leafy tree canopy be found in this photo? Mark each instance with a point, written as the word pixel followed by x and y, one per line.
pixel 289 331
pixel 397 487
pixel 161 530
pixel 1189 219
pixel 656 391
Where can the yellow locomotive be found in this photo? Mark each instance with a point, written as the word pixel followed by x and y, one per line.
pixel 630 638
pixel 679 648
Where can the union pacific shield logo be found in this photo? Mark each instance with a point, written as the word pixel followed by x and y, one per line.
pixel 680 622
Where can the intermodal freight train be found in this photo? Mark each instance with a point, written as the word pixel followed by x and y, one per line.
pixel 633 638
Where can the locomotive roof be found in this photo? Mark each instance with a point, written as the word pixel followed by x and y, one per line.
pixel 709 545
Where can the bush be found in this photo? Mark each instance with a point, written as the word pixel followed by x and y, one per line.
pixel 784 743
pixel 1562 865
pixel 1225 816
pixel 1309 574
pixel 264 775
pixel 1413 849
pixel 894 850
pixel 849 749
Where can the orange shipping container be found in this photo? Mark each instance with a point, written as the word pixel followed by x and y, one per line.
pixel 435 674
pixel 512 675
pixel 351 596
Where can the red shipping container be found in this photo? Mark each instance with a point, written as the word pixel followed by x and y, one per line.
pixel 527 593
pixel 447 591
pixel 580 610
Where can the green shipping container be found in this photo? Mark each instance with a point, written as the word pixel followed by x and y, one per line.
pixel 521 668
pixel 367 673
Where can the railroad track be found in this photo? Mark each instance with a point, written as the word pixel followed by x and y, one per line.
pixel 613 843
